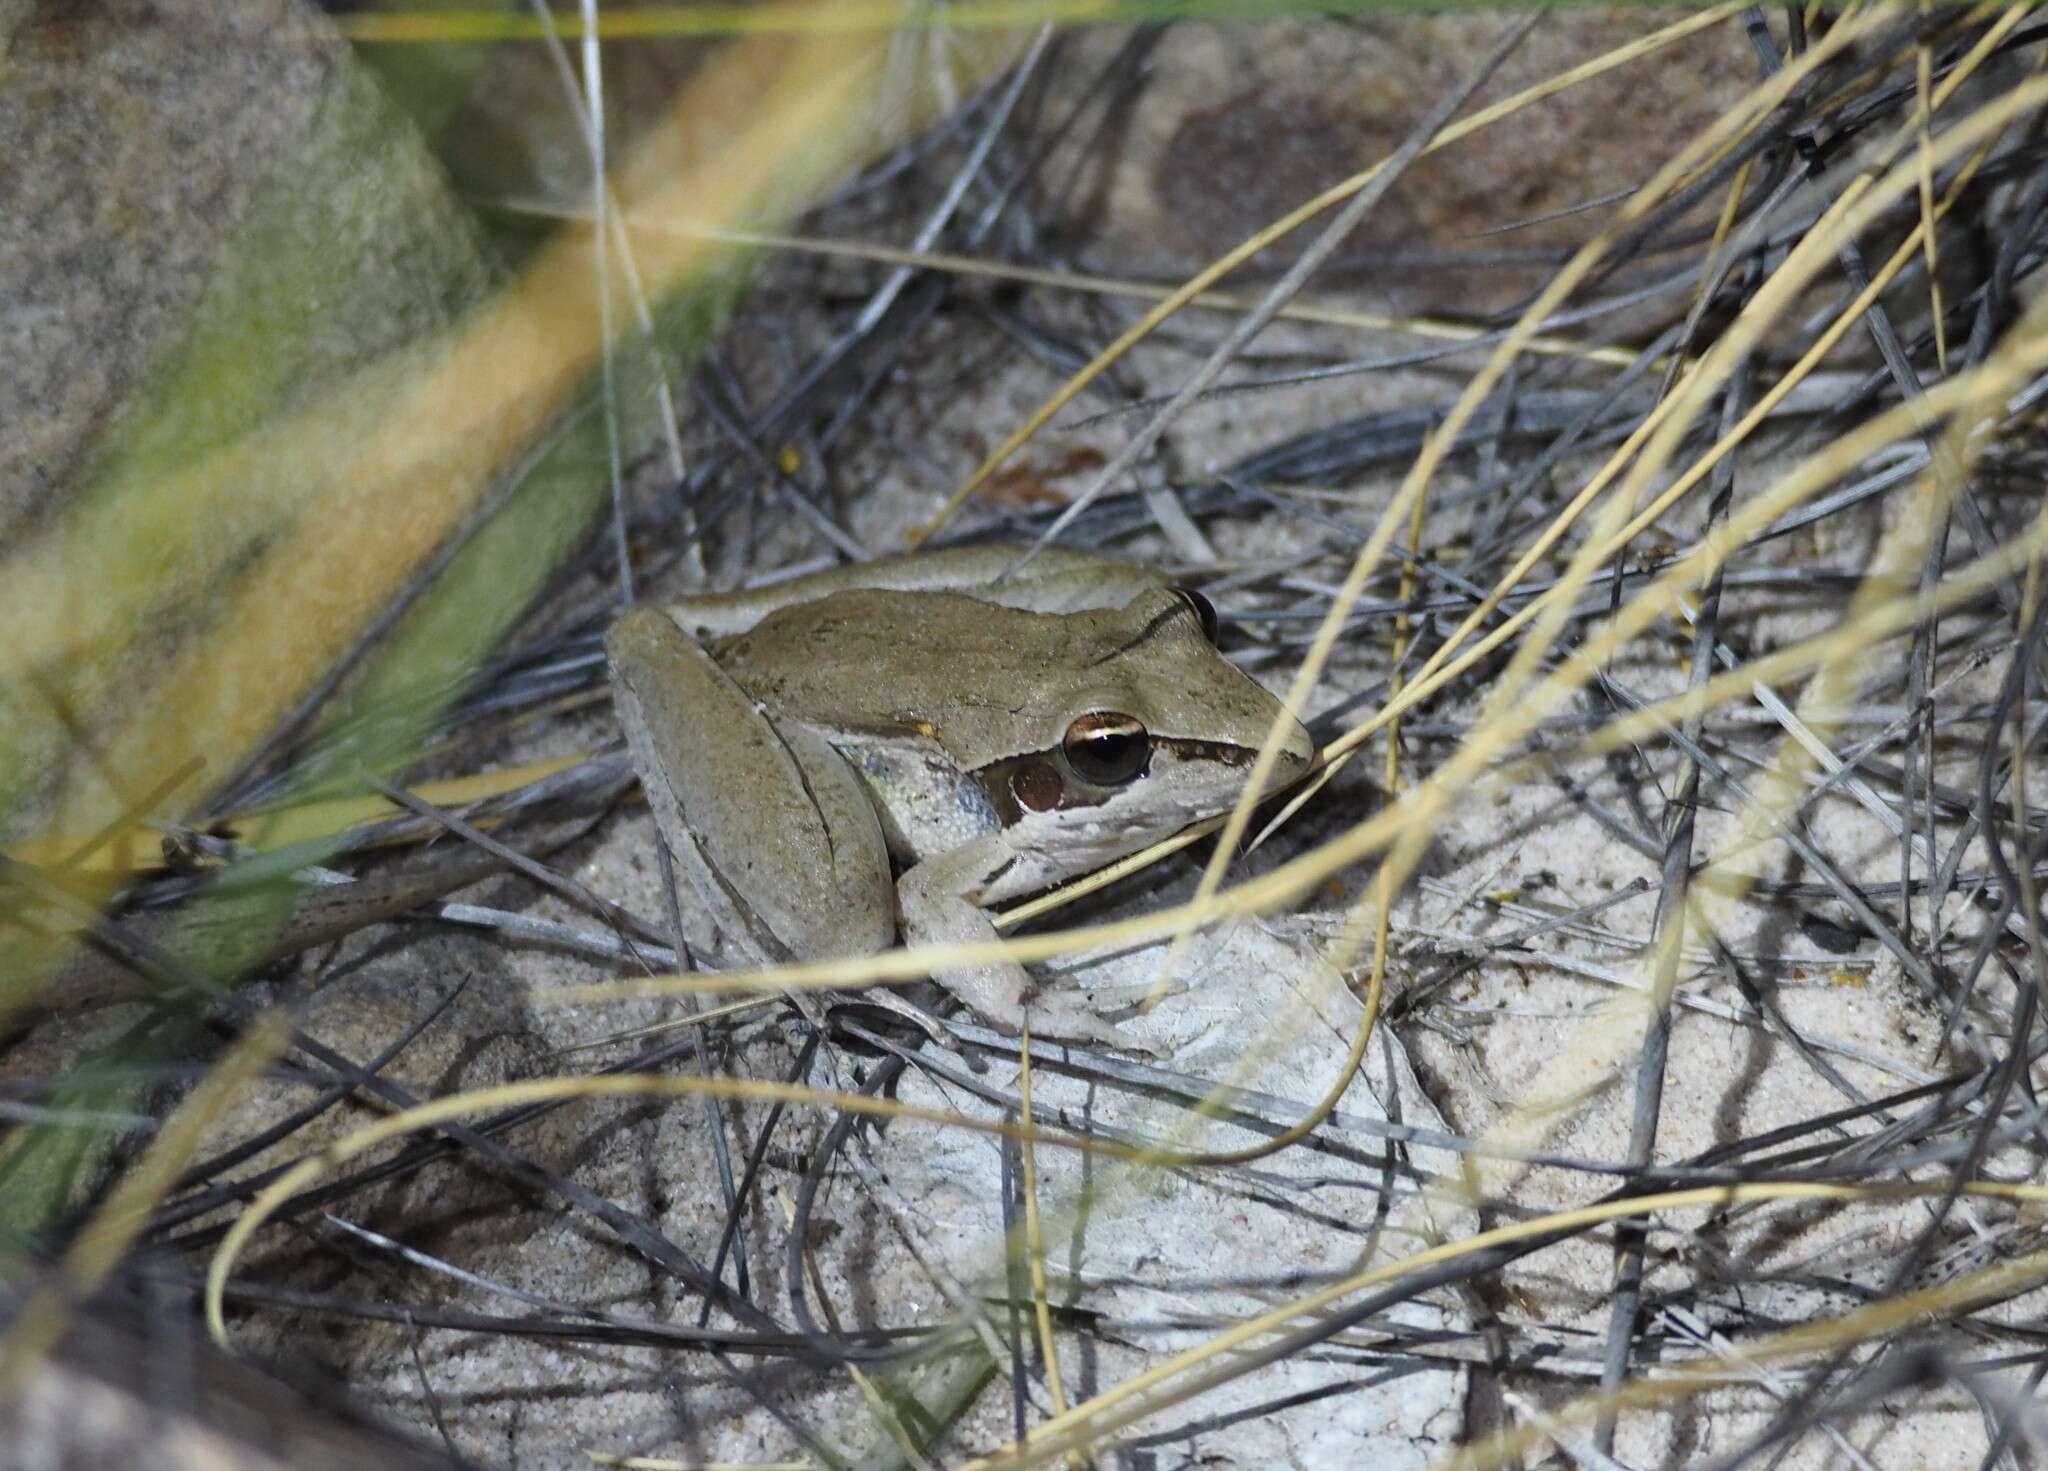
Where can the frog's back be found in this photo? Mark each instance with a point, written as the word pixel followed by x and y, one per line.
pixel 894 662
pixel 989 683
pixel 1053 580
pixel 910 688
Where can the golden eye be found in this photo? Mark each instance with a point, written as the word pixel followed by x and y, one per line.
pixel 1203 609
pixel 1107 748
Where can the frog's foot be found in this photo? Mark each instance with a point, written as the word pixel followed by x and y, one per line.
pixel 884 999
pixel 1068 1016
pixel 999 990
pixel 1008 999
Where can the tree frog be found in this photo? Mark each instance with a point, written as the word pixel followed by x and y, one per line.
pixel 991 736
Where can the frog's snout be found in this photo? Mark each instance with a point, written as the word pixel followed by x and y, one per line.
pixel 1297 750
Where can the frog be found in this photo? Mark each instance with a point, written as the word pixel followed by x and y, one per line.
pixel 895 748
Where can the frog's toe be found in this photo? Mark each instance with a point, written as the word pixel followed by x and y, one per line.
pixel 1063 1017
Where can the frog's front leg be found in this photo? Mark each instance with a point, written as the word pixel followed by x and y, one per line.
pixel 933 904
pixel 767 823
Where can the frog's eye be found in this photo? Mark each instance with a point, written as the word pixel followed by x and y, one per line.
pixel 1107 748
pixel 1203 609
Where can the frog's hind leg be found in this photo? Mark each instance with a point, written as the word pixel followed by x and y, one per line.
pixel 767 823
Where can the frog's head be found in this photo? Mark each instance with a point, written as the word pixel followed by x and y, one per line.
pixel 1145 729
